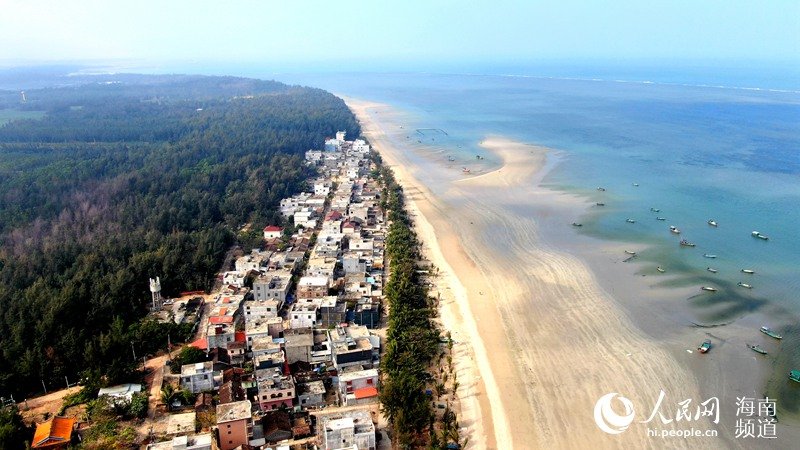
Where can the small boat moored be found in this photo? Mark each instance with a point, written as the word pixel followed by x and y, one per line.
pixel 674 229
pixel 686 243
pixel 744 285
pixel 709 289
pixel 766 330
pixel 660 269
pixel 757 349
pixel 709 255
pixel 712 222
pixel 748 271
pixel 661 218
pixel 630 221
pixel 601 189
pixel 600 204
pixel 465 170
pixel 704 346
pixel 630 252
pixel 711 269
pixel 576 224
pixel 635 184
pixel 759 235
pixel 794 375
pixel 655 210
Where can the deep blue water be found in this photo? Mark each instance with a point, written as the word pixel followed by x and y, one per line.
pixel 696 152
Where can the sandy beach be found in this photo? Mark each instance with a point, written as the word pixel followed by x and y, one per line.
pixel 538 340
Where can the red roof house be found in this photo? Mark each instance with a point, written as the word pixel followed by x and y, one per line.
pixel 272 232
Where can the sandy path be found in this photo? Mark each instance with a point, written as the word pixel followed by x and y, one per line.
pixel 544 341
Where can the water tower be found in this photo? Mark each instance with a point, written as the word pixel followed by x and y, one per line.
pixel 155 289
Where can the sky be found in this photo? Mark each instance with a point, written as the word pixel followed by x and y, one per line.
pixel 400 32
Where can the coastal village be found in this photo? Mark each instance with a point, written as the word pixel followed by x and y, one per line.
pixel 292 333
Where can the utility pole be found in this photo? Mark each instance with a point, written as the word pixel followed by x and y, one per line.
pixel 44 386
pixel 133 351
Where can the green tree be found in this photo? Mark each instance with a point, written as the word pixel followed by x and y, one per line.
pixel 14 435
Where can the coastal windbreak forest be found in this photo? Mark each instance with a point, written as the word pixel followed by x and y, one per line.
pixel 107 184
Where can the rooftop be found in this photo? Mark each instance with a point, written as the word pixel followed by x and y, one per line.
pixel 229 412
pixel 181 423
pixel 198 368
pixel 53 432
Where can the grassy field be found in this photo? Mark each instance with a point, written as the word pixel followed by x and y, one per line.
pixel 7 115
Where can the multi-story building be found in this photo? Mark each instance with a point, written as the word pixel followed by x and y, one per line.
pixel 200 377
pixel 258 310
pixel 275 285
pixel 313 287
pixel 298 343
pixel 354 428
pixel 332 311
pixel 274 390
pixel 304 313
pixel 234 424
pixel 358 387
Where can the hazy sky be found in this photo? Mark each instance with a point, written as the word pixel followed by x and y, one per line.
pixel 404 30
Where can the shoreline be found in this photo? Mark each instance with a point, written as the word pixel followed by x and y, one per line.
pixel 534 359
pixel 473 407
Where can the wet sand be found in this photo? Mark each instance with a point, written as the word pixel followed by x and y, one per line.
pixel 539 339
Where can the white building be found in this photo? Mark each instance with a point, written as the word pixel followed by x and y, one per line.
pixel 358 387
pixel 259 310
pixel 305 313
pixel 360 146
pixel 272 285
pixel 200 377
pixel 351 428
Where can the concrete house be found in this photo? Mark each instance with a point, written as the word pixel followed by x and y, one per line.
pixel 234 423
pixel 272 285
pixel 273 232
pixel 200 377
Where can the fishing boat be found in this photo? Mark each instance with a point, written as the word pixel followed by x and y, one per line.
pixel 655 210
pixel 794 375
pixel 704 346
pixel 757 349
pixel 660 269
pixel 576 224
pixel 759 235
pixel 709 255
pixel 748 271
pixel 712 222
pixel 709 289
pixel 744 285
pixel 686 243
pixel 711 269
pixel 600 204
pixel 630 221
pixel 770 333
pixel 674 229
pixel 630 252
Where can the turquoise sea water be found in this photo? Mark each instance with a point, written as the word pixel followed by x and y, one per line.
pixel 696 153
